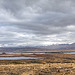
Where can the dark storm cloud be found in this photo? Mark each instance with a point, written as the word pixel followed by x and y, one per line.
pixel 37 22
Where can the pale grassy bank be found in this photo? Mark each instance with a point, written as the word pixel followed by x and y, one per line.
pixel 38 69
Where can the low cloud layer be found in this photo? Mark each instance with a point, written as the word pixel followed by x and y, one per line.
pixel 36 22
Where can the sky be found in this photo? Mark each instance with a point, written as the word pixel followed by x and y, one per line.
pixel 36 22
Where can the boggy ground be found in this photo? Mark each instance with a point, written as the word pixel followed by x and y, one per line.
pixel 52 64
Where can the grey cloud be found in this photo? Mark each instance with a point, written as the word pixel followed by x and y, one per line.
pixel 31 21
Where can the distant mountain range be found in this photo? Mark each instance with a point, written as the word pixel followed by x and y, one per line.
pixel 49 47
pixel 60 46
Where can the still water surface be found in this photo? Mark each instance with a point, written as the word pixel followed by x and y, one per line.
pixel 23 53
pixel 18 58
pixel 70 52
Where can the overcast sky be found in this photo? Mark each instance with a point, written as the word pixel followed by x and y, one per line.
pixel 36 22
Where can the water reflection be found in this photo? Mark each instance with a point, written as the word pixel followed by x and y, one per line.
pixel 22 53
pixel 18 58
